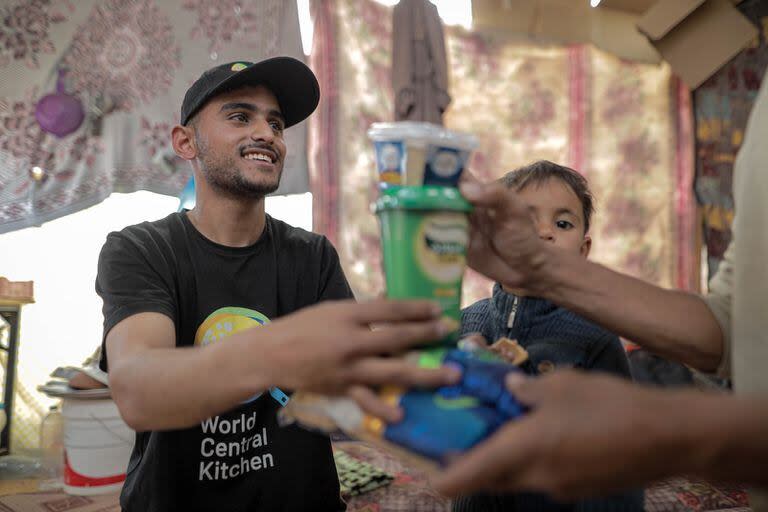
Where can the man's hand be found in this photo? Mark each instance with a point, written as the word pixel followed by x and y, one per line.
pixel 585 435
pixel 503 243
pixel 331 348
pixel 505 247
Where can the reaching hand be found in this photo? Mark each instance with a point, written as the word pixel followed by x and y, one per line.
pixel 586 435
pixel 331 348
pixel 503 243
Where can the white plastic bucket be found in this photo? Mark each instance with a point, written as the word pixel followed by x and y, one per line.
pixel 97 446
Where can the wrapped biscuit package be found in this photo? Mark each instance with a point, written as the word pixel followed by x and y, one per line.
pixel 437 425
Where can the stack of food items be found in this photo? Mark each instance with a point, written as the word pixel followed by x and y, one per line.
pixel 424 224
pixel 423 217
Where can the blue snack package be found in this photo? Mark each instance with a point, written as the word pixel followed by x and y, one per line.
pixel 484 378
pixel 437 427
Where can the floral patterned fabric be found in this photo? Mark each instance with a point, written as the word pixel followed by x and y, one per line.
pixel 409 491
pixel 626 126
pixel 24 32
pixel 130 63
pixel 721 107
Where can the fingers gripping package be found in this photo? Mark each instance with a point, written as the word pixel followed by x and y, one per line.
pixel 437 424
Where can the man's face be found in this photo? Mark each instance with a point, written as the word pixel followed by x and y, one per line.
pixel 240 145
pixel 557 215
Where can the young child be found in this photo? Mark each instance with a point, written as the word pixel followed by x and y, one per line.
pixel 560 204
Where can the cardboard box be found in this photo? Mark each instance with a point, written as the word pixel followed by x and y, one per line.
pixel 16 292
pixel 696 37
pixel 635 6
pixel 564 22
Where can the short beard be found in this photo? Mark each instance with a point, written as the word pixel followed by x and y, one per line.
pixel 222 174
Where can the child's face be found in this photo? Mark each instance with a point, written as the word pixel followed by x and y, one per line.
pixel 557 215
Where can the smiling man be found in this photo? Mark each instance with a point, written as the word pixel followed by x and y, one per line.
pixel 202 328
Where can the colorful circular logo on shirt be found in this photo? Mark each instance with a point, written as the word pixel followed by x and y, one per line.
pixel 238 66
pixel 227 321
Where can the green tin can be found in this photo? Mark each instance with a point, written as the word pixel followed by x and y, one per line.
pixel 424 238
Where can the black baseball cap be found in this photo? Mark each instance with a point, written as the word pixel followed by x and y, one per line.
pixel 290 80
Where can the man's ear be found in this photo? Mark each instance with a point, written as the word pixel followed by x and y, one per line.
pixel 586 245
pixel 183 140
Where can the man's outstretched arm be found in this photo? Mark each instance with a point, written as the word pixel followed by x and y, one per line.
pixel 158 386
pixel 504 246
pixel 591 435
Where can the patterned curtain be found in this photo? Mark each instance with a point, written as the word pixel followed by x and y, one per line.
pixel 626 126
pixel 721 107
pixel 130 63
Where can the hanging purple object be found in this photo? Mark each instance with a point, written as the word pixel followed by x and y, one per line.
pixel 59 113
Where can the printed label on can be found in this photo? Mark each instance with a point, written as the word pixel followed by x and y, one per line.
pixel 441 246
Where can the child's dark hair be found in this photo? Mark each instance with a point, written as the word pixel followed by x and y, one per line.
pixel 544 170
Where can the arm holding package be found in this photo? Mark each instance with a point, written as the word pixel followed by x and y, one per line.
pixel 436 424
pixel 505 247
pixel 712 435
pixel 671 323
pixel 160 385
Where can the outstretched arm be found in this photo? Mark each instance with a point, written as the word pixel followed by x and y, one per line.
pixel 505 247
pixel 595 434
pixel 158 386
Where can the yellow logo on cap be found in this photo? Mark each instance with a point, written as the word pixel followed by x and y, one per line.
pixel 238 67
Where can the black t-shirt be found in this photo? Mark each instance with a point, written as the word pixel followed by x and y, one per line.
pixel 241 460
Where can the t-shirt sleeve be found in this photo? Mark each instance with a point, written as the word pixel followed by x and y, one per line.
pixel 131 280
pixel 333 282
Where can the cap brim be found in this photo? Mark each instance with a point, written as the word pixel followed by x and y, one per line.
pixel 290 80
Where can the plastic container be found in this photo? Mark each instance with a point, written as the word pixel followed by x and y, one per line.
pixel 401 150
pixel 414 154
pixel 97 445
pixel 447 156
pixel 52 443
pixel 21 467
pixel 424 237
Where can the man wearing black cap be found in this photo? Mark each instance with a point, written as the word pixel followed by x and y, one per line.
pixel 196 365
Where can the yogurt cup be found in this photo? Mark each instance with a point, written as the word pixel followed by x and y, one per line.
pixel 424 238
pixel 447 156
pixel 411 153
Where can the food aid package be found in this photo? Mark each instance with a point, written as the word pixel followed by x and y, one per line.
pixel 438 424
